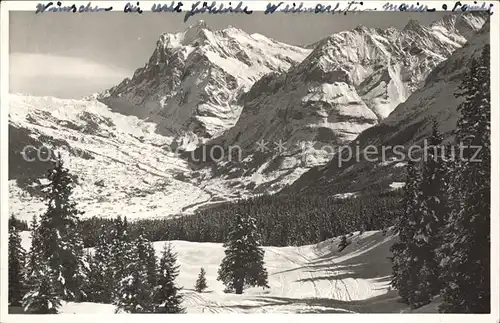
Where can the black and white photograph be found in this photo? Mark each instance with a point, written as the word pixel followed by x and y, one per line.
pixel 225 159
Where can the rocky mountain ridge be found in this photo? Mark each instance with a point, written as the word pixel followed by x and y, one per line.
pixel 192 82
pixel 349 83
pixel 409 124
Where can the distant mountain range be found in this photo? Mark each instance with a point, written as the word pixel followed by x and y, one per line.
pixel 203 88
pixel 349 83
pixel 409 124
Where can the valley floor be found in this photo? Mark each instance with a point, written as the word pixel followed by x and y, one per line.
pixel 306 279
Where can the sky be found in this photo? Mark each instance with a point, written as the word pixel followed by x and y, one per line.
pixel 71 55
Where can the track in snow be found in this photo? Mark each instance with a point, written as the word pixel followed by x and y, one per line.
pixel 307 279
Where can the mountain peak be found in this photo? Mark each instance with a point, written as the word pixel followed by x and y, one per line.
pixel 468 20
pixel 361 28
pixel 227 62
pixel 413 25
pixel 233 29
pixel 195 32
pixel 200 24
pixel 465 24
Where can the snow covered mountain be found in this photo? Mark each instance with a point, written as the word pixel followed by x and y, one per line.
pixel 409 124
pixel 349 82
pixel 327 99
pixel 191 84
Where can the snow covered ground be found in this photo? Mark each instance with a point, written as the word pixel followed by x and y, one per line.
pixel 131 170
pixel 306 279
pixel 124 166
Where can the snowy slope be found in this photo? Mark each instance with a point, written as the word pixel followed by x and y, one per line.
pixel 123 166
pixel 306 279
pixel 191 84
pixel 350 82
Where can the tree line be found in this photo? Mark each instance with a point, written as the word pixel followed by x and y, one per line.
pixel 443 247
pixel 20 225
pixel 122 269
pixel 282 220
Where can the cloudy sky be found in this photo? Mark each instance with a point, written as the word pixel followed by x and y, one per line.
pixel 71 55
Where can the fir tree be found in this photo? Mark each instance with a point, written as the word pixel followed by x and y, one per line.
pixel 201 282
pixel 465 254
pixel 100 281
pixel 35 251
pixel 42 297
pixel 88 281
pixel 243 264
pixel 119 248
pixel 148 257
pixel 61 244
pixel 430 216
pixel 343 243
pixel 404 270
pixel 16 265
pixel 133 292
pixel 166 297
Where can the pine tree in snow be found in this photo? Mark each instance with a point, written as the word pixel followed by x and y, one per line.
pixel 465 253
pixel 243 265
pixel 100 282
pixel 119 247
pixel 166 296
pixel 88 284
pixel 148 257
pixel 61 243
pixel 430 217
pixel 404 270
pixel 133 293
pixel 16 265
pixel 42 297
pixel 35 251
pixel 343 243
pixel 201 282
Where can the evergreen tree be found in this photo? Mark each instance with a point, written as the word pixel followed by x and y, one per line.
pixel 61 243
pixel 343 243
pixel 42 297
pixel 100 283
pixel 429 222
pixel 119 248
pixel 243 264
pixel 133 292
pixel 201 282
pixel 16 265
pixel 404 270
pixel 35 251
pixel 148 257
pixel 465 253
pixel 166 297
pixel 88 285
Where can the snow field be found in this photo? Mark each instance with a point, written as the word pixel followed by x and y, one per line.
pixel 313 278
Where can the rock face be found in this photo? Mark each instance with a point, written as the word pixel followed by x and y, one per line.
pixel 192 82
pixel 349 83
pixel 409 124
